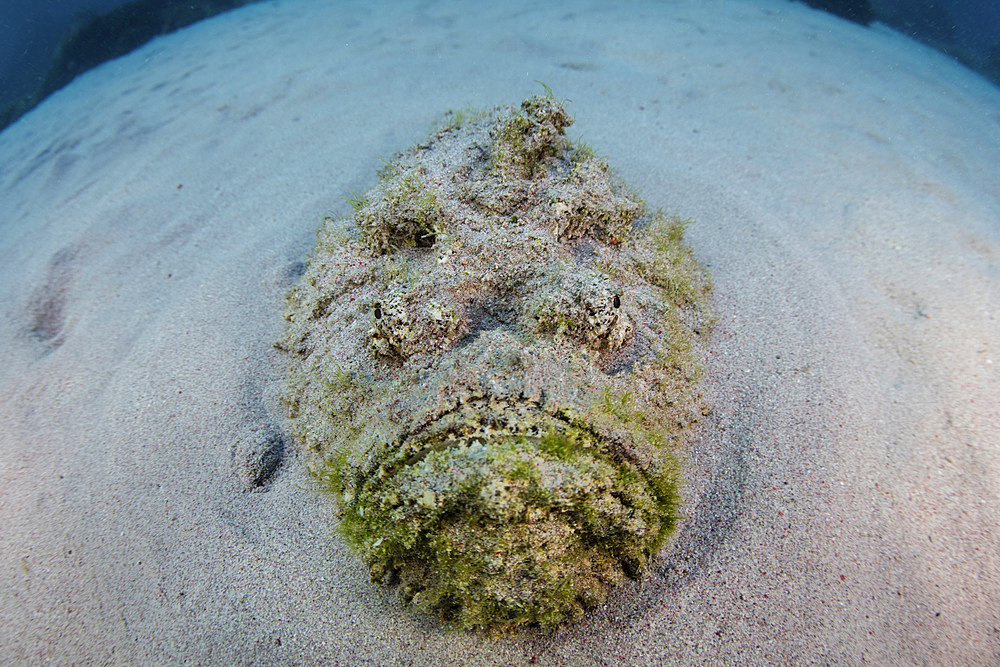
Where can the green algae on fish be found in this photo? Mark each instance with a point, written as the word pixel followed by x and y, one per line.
pixel 494 371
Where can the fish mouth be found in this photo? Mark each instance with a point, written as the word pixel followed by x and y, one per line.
pixel 494 418
pixel 482 423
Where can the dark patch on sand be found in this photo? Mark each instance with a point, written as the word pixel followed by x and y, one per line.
pixel 258 451
pixel 46 309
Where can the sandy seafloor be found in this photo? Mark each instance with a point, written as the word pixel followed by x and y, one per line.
pixel 843 500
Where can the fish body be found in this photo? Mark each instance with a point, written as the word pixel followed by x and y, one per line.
pixel 494 368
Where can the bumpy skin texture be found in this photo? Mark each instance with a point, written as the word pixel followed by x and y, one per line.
pixel 494 370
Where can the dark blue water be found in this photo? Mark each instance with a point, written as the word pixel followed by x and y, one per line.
pixel 44 45
pixel 968 30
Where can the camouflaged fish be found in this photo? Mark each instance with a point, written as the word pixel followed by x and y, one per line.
pixel 494 368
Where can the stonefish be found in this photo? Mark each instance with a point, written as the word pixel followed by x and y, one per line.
pixel 494 369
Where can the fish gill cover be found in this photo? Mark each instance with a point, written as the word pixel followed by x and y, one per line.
pixel 495 368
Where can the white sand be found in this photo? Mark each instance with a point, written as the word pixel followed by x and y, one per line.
pixel 844 501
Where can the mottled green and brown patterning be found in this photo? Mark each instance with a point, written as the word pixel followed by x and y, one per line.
pixel 494 368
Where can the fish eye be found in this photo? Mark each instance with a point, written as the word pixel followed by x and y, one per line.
pixel 378 310
pixel 616 302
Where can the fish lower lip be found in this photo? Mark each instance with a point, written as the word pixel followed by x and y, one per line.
pixel 494 519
